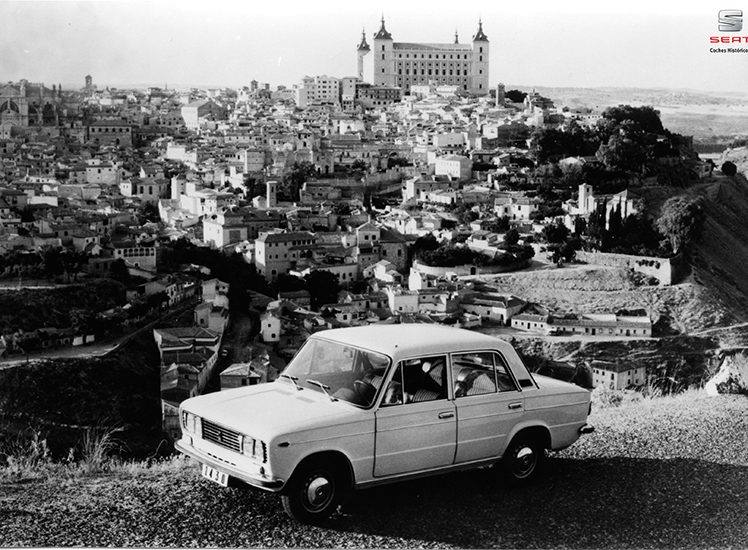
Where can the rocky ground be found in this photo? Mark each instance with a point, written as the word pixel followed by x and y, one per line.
pixel 668 472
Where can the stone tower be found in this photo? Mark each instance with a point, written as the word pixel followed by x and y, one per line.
pixel 363 49
pixel 384 57
pixel 479 66
pixel 500 94
pixel 271 194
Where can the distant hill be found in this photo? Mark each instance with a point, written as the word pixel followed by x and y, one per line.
pixel 701 114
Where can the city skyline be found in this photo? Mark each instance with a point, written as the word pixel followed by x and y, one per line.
pixel 273 46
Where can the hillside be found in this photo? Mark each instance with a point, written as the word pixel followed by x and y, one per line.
pixel 721 255
pixel 63 398
pixel 661 473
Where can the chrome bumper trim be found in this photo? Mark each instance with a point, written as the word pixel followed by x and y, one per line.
pixel 268 484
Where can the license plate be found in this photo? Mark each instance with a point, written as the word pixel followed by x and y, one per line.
pixel 214 475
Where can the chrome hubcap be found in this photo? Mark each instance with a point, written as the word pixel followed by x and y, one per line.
pixel 318 492
pixel 524 461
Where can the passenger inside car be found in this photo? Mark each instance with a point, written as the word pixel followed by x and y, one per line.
pixel 418 380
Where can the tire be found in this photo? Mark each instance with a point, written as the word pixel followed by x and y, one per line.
pixel 315 491
pixel 522 460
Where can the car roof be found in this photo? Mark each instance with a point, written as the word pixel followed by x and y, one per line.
pixel 403 340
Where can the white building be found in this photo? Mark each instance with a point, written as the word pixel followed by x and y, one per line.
pixel 617 376
pixel 278 252
pixel 455 167
pixel 270 327
pixel 318 90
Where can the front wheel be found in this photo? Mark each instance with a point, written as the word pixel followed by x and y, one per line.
pixel 314 494
pixel 522 460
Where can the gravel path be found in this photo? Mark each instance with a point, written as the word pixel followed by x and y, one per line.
pixel 669 473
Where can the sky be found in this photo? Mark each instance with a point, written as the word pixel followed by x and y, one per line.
pixel 576 43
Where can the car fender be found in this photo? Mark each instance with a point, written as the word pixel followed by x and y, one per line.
pixel 525 424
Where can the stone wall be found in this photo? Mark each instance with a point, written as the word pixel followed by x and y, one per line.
pixel 463 270
pixel 666 270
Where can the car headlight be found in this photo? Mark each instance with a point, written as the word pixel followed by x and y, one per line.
pixel 254 448
pixel 191 423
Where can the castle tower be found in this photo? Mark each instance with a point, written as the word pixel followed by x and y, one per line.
pixel 363 49
pixel 384 57
pixel 500 94
pixel 271 194
pixel 89 81
pixel 479 65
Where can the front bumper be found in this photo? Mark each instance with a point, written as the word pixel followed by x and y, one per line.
pixel 266 483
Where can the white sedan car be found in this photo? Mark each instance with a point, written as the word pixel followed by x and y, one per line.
pixel 357 407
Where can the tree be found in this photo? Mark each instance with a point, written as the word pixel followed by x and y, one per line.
pixel 515 96
pixel 323 288
pixel 426 243
pixel 27 214
pixel 157 300
pixel 511 237
pixel 83 320
pixel 149 212
pixel 289 283
pixel 681 220
pixel 118 271
pixel 556 232
pixel 498 225
pixel 729 169
pixel 580 226
pixel 298 175
pixel 52 261
pixel 647 118
pixel 359 168
pixel 569 249
pixel 622 153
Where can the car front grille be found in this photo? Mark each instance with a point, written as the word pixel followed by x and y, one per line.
pixel 222 436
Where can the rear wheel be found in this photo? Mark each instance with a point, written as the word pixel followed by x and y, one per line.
pixel 522 460
pixel 315 492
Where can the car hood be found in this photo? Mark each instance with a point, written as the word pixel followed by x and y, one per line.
pixel 266 411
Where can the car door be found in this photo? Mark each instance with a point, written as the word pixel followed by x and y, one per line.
pixel 416 427
pixel 488 403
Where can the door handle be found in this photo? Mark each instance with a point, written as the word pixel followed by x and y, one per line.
pixel 446 415
pixel 515 405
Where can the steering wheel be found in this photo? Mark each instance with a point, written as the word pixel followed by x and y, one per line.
pixel 365 390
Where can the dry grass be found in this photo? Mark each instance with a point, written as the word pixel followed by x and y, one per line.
pixel 28 457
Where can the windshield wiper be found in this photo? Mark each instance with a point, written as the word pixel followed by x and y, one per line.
pixel 323 387
pixel 293 380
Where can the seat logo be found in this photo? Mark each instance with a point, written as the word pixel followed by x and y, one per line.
pixel 730 20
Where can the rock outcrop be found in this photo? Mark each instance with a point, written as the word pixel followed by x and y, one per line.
pixel 732 376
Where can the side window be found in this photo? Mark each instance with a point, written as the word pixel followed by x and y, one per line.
pixel 418 380
pixel 473 374
pixel 503 377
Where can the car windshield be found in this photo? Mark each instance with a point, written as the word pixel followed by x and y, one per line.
pixel 344 372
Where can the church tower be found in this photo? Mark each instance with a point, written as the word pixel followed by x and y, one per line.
pixel 384 58
pixel 479 65
pixel 363 49
pixel 271 194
